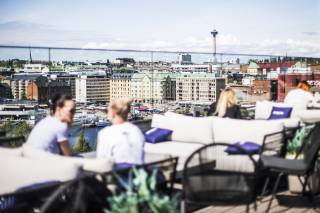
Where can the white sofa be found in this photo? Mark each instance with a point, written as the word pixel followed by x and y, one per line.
pixel 26 165
pixel 190 133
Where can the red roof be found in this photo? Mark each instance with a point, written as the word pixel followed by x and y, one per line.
pixel 274 66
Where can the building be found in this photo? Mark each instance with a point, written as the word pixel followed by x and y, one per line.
pixel 288 81
pixel 92 88
pixel 191 67
pixel 184 59
pixel 199 87
pixel 120 85
pixel 35 68
pixel 19 84
pixel 5 90
pixel 43 89
pixel 153 87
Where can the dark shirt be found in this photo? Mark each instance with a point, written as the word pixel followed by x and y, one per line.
pixel 231 112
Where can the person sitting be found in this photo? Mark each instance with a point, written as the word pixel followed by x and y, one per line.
pixel 227 105
pixel 300 97
pixel 51 133
pixel 122 142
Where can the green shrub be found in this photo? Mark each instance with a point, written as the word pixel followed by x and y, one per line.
pixel 141 196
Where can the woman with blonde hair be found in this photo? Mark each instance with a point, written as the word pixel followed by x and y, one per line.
pixel 227 105
pixel 122 142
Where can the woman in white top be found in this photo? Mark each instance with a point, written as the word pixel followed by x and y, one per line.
pixel 300 97
pixel 122 142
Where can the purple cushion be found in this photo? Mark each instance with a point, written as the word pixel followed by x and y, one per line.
pixel 249 147
pixel 156 135
pixel 280 112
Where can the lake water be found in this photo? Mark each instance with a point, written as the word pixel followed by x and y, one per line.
pixel 90 134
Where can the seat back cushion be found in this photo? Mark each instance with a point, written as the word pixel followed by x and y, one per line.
pixel 228 130
pixel 185 128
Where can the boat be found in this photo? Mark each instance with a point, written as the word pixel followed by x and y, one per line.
pixel 103 123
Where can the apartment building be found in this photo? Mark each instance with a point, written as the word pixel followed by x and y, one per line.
pixel 120 85
pixel 199 87
pixel 19 84
pixel 153 87
pixel 93 88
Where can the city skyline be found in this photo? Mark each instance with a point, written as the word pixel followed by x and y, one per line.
pixel 256 27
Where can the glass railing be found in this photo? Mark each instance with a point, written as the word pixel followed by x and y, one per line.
pixel 182 81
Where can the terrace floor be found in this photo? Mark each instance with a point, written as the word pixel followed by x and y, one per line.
pixel 286 202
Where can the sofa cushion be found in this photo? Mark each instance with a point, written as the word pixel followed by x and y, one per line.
pixel 174 149
pixel 226 130
pixel 264 108
pixel 309 116
pixel 280 112
pixel 185 128
pixel 17 172
pixel 89 164
pixel 11 151
pixel 156 135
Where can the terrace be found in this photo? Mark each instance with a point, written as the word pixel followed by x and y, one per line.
pixel 76 180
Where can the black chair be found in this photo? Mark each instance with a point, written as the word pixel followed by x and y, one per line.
pixel 166 174
pixel 84 194
pixel 27 199
pixel 208 181
pixel 300 167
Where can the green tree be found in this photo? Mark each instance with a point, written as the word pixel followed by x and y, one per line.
pixel 23 96
pixel 82 144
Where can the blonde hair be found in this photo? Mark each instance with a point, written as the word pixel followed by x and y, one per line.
pixel 227 99
pixel 121 107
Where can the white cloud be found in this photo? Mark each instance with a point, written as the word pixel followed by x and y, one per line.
pixel 225 43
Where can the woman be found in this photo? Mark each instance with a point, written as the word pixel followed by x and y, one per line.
pixel 227 105
pixel 122 142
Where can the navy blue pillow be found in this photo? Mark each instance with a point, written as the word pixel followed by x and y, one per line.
pixel 280 112
pixel 249 147
pixel 156 135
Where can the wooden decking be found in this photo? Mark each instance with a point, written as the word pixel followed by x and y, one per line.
pixel 285 203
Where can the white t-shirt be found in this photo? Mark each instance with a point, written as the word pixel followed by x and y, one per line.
pixel 298 98
pixel 122 142
pixel 47 134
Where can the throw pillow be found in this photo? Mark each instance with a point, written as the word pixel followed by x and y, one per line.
pixel 156 135
pixel 249 147
pixel 280 112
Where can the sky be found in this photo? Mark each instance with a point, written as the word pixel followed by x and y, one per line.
pixel 280 27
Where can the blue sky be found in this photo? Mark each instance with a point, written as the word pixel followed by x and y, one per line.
pixel 249 26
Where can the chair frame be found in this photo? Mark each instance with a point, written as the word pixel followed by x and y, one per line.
pixel 255 175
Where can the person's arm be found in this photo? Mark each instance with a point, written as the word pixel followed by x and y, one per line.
pixel 65 148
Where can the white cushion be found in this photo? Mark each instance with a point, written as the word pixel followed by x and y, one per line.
pixel 239 163
pixel 17 172
pixel 309 116
pixel 11 151
pixel 288 122
pixel 264 108
pixel 89 164
pixel 174 149
pixel 186 128
pixel 228 130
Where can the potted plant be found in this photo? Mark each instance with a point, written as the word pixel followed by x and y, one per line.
pixel 140 195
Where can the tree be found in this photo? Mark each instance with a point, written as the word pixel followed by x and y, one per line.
pixel 82 144
pixel 23 96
